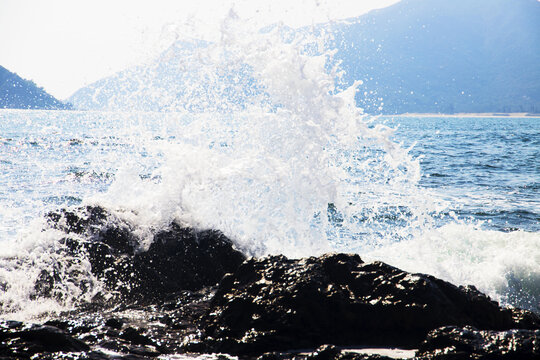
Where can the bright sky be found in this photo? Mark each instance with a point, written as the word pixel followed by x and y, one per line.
pixel 64 45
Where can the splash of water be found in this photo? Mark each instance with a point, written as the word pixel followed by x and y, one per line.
pixel 269 147
pixel 275 173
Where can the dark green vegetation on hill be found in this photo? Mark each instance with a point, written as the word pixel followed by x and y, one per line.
pixel 445 56
pixel 18 93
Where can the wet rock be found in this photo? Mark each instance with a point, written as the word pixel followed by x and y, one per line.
pixel 92 355
pixel 44 285
pixel 452 342
pixel 134 336
pixel 21 341
pixel 179 258
pixel 185 259
pixel 134 330
pixel 524 319
pixel 275 304
pixel 324 352
pixel 262 308
pixel 129 331
pixel 114 323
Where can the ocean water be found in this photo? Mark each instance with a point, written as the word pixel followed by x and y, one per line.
pixel 473 216
pixel 294 168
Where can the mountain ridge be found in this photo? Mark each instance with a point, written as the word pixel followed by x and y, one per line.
pixel 19 93
pixel 446 57
pixel 416 56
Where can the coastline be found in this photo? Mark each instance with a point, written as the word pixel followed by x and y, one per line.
pixel 417 115
pixel 192 294
pixel 468 115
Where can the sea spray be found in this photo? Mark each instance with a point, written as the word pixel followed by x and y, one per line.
pixel 260 164
pixel 21 265
pixel 502 264
pixel 267 145
pixel 267 173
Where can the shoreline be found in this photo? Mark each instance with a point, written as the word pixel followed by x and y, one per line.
pixel 468 115
pixel 192 294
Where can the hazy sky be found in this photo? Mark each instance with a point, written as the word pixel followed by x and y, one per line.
pixel 65 44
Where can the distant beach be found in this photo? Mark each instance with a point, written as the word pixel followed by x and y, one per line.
pixel 480 115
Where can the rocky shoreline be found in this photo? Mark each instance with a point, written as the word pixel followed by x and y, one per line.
pixel 193 293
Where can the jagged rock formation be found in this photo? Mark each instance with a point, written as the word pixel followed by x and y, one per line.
pixel 23 341
pixel 470 343
pixel 275 303
pixel 188 293
pixel 179 258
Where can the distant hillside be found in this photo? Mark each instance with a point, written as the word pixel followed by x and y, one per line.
pixel 445 56
pixel 415 56
pixel 18 93
pixel 179 79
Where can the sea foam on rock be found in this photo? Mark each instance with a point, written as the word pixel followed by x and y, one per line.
pixel 21 341
pixel 179 258
pixel 191 291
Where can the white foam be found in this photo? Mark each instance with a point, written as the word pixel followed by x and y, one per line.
pixel 266 174
pixel 296 169
pixel 505 265
pixel 21 263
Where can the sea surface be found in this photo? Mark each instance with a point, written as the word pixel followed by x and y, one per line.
pixel 458 198
pixel 487 168
pixel 262 139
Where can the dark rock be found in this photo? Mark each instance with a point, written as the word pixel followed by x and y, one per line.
pixel 92 355
pixel 324 352
pixel 135 337
pixel 44 284
pixel 264 307
pixel 185 259
pixel 114 323
pixel 80 221
pixel 134 330
pixel 18 340
pixel 525 319
pixel 452 342
pixel 179 258
pixel 275 304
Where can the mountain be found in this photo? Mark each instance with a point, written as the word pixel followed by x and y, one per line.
pixel 445 56
pixel 18 93
pixel 181 78
pixel 425 56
